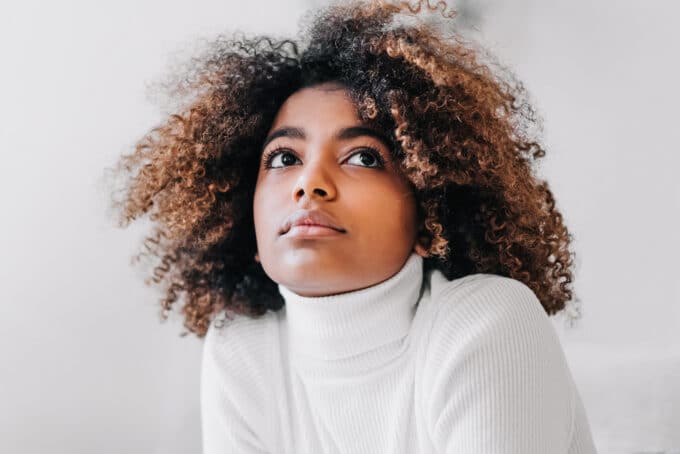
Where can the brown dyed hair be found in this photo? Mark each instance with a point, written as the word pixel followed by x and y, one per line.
pixel 460 128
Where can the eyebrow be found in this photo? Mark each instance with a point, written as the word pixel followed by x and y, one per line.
pixel 342 134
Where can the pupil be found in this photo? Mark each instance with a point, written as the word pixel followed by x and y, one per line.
pixel 371 158
pixel 287 161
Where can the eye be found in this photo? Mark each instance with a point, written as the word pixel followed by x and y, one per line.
pixel 270 158
pixel 368 157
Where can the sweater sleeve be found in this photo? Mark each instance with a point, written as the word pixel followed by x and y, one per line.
pixel 226 410
pixel 496 378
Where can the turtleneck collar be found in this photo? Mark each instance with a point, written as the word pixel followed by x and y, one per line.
pixel 346 324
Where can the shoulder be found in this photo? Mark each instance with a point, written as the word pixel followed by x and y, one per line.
pixel 240 345
pixel 492 350
pixel 235 361
pixel 478 285
pixel 239 336
pixel 234 395
pixel 485 301
pixel 484 310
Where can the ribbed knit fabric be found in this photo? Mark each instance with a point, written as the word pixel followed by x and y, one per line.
pixel 413 364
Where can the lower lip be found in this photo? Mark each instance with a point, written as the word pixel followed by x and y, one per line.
pixel 311 231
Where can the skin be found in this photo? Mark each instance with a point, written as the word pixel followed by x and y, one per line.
pixel 374 205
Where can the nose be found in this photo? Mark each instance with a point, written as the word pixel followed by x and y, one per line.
pixel 314 182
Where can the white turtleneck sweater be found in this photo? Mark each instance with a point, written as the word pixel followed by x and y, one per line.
pixel 413 364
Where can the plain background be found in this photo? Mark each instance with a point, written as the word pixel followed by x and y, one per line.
pixel 85 364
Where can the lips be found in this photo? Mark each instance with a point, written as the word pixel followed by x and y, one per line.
pixel 310 217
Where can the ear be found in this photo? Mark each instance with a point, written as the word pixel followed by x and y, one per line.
pixel 423 239
pixel 422 243
pixel 420 250
pixel 257 257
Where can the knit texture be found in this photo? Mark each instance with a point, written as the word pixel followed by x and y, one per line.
pixel 413 364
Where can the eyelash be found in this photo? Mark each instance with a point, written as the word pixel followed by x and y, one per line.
pixel 268 157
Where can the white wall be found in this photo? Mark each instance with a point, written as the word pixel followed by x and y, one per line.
pixel 87 367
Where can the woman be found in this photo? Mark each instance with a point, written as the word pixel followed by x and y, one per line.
pixel 361 221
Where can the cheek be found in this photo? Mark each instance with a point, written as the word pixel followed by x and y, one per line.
pixel 391 211
pixel 262 208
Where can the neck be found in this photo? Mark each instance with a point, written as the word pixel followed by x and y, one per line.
pixel 347 324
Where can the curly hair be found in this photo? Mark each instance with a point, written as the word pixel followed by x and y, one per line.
pixel 460 127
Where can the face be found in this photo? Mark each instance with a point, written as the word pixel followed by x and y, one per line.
pixel 314 160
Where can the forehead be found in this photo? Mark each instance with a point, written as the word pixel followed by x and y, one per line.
pixel 321 108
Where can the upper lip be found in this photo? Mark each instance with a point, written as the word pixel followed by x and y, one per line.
pixel 310 217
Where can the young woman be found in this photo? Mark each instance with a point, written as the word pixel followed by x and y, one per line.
pixel 359 235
